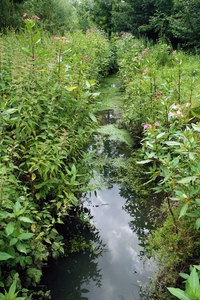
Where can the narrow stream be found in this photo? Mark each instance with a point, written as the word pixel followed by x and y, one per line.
pixel 115 269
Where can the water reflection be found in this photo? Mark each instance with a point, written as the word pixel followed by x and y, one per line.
pixel 69 277
pixel 109 116
pixel 122 266
pixel 143 213
pixel 115 269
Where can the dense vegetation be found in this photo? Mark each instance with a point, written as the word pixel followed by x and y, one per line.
pixel 47 118
pixel 177 21
pixel 51 61
pixel 161 110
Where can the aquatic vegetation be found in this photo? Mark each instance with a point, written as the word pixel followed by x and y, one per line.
pixel 116 134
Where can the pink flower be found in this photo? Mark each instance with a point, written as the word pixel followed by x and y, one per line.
pixel 156 124
pixel 171 114
pixel 145 71
pixel 56 38
pixel 24 15
pixel 174 52
pixel 35 17
pixel 146 126
pixel 145 51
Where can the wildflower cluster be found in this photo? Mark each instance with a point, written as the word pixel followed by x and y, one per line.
pixel 62 39
pixel 36 17
pixel 145 51
pixel 151 126
pixel 178 111
pixel 91 30
pixel 125 34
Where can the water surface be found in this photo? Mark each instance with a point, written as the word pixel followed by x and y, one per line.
pixel 115 269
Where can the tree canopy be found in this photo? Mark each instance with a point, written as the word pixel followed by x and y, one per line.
pixel 177 21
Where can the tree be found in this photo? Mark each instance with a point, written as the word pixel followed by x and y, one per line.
pixel 185 22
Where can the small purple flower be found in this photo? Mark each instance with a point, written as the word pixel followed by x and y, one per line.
pixel 24 15
pixel 156 124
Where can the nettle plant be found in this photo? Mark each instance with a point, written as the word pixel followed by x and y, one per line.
pixel 47 118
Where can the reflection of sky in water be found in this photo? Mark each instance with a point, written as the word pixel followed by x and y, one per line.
pixel 112 274
pixel 121 265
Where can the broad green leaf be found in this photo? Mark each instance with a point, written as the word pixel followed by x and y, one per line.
pixel 10 228
pixel 25 236
pixel 184 275
pixel 5 256
pixel 10 111
pixel 192 215
pixel 193 279
pixel 26 50
pixel 2 297
pixel 12 288
pixel 71 88
pixel 36 38
pixel 197 267
pixel 187 179
pixel 92 117
pixel 21 247
pixel 33 176
pixel 4 215
pixel 197 224
pixel 197 201
pixel 13 241
pixel 25 219
pixel 160 135
pixel 183 210
pixel 178 293
pixel 17 207
pixel 172 143
pixel 95 94
pixel 196 127
pixel 143 162
pixel 87 84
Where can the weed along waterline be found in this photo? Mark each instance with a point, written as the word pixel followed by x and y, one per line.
pixel 115 266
